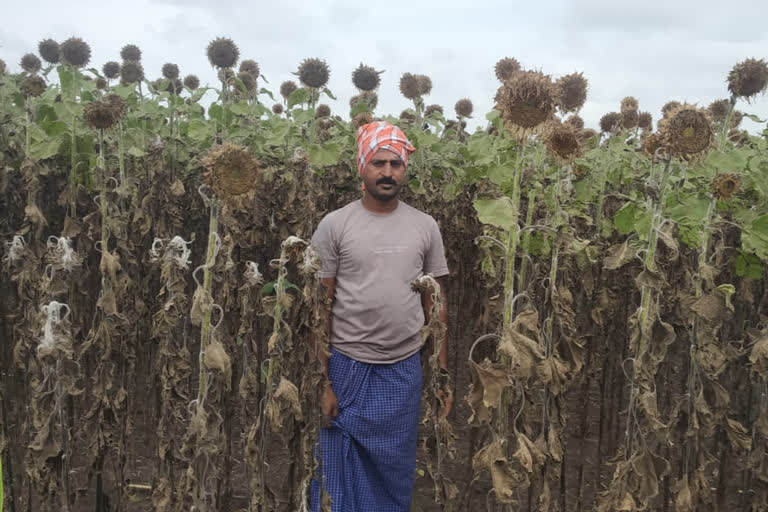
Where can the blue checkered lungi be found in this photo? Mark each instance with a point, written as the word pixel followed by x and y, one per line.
pixel 369 451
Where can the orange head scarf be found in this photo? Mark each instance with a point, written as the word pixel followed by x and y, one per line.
pixel 378 135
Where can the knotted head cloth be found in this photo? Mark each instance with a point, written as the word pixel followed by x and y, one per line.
pixel 378 135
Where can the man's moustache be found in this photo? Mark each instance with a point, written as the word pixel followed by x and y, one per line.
pixel 386 181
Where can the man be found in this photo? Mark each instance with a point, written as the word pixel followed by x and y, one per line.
pixel 372 250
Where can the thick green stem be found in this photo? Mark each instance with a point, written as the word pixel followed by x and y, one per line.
pixel 726 124
pixel 120 152
pixel 100 164
pixel 526 242
pixel 26 130
pixel 511 253
pixel 73 149
pixel 205 328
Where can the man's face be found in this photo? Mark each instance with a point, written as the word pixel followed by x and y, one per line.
pixel 384 175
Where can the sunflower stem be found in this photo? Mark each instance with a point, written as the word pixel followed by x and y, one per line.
pixel 205 328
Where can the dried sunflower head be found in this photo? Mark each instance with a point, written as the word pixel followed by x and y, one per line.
pixel 131 72
pixel 362 119
pixel 748 78
pixel 575 121
pixel 111 69
pixel 101 83
pixel 251 67
pixel 313 73
pixel 629 103
pixel 226 75
pixel 651 142
pixel 409 86
pixel 366 78
pixel 562 141
pixel 75 52
pixel 287 88
pixel 222 52
pixel 191 82
pixel 322 110
pixel 99 115
pixel 49 51
pixel 425 84
pixel 32 86
pixel 629 119
pixel 173 86
pixel 736 118
pixel 30 63
pixel 277 108
pixel 432 109
pixel 687 132
pixel 369 98
pixel 170 71
pixel 645 120
pixel 571 92
pixel 231 170
pixel 464 107
pixel 669 107
pixel 718 110
pixel 505 68
pixel 610 122
pixel 526 100
pixel 249 82
pixel 725 185
pixel 130 52
pixel 407 115
pixel 117 104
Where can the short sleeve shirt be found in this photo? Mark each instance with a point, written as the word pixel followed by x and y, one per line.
pixel 377 317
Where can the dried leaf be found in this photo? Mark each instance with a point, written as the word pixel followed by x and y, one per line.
pixel 618 255
pixel 738 435
pixel 488 381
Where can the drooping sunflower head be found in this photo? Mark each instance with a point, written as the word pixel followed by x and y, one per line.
pixel 191 82
pixel 368 98
pixel 736 118
pixel 117 104
pixel 100 114
pixel 101 83
pixel 322 110
pixel 562 141
pixel 610 122
pixel 669 107
pixel 225 75
pixel 409 86
pixel 32 86
pixel 505 68
pixel 629 103
pixel 231 170
pixel 75 52
pixel 248 83
pixel 251 67
pixel 131 72
pixel 432 110
pixel 718 110
pixel 748 78
pixel 687 132
pixel 585 135
pixel 725 185
pixel 30 63
pixel 629 119
pixel 111 69
pixel 362 119
pixel 287 88
pixel 424 84
pixel 651 142
pixel 366 78
pixel 526 101
pixel 575 121
pixel 571 92
pixel 464 107
pixel 313 73
pixel 170 71
pixel 222 53
pixel 407 116
pixel 49 51
pixel 277 108
pixel 130 52
pixel 645 120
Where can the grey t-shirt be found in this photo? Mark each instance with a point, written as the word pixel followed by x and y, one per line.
pixel 377 317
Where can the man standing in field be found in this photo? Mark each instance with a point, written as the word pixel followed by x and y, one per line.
pixel 372 250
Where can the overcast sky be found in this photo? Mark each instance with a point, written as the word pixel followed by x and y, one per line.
pixel 655 50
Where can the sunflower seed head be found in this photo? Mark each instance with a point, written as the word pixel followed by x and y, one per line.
pixel 432 109
pixel 571 92
pixel 669 107
pixel 313 73
pixel 725 185
pixel 191 82
pixel 250 66
pixel 562 141
pixel 464 107
pixel 111 69
pixel 575 121
pixel 101 83
pixel 505 68
pixel 49 51
pixel 610 122
pixel 223 53
pixel 75 52
pixel 30 63
pixel 130 52
pixel 748 78
pixel 277 108
pixel 231 170
pixel 32 86
pixel 131 72
pixel 409 86
pixel 366 78
pixel 687 132
pixel 425 84
pixel 287 88
pixel 526 101
pixel 322 110
pixel 645 120
pixel 170 71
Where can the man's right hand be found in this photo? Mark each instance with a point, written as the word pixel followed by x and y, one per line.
pixel 329 405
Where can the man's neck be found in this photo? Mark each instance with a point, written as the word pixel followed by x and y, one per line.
pixel 374 205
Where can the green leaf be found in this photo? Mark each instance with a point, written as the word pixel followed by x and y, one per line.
pixel 748 265
pixel 135 151
pixel 301 116
pixel 239 108
pixel 328 93
pixel 322 155
pixel 267 92
pixel 502 174
pixel 199 130
pixel 624 219
pixel 754 118
pixel 44 149
pixel 754 237
pixel 66 80
pixel 300 95
pixel 216 112
pixel 495 212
